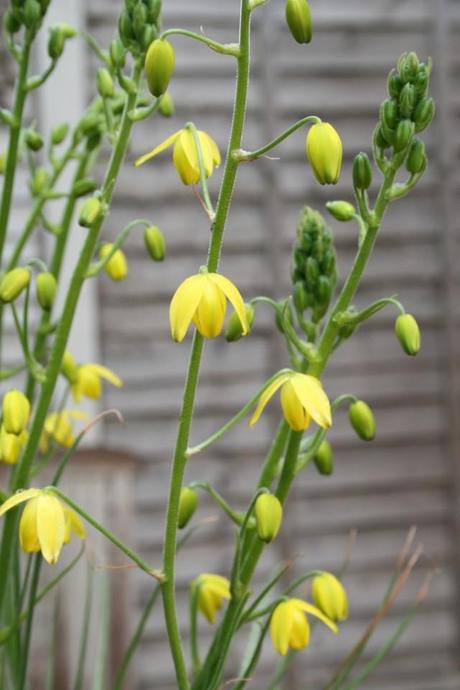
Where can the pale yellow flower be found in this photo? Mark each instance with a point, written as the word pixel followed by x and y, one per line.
pixel 212 590
pixel 330 596
pixel 58 426
pixel 289 626
pixel 88 383
pixel 324 151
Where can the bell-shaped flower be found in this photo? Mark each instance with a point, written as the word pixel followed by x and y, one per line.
pixel 302 399
pixel 16 411
pixel 89 381
pixel 212 590
pixel 289 626
pixel 202 298
pixel 330 596
pixel 58 426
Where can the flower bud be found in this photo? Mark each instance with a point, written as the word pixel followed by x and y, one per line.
pixel 104 83
pixel 59 133
pixel 422 80
pixel 32 14
pixel 394 84
pixel 83 187
pixel 416 160
pixel 234 330
pixel 380 140
pixel 34 140
pixel 116 267
pixel 423 113
pixel 153 9
pixel 188 503
pixel 300 296
pixel 12 20
pixel 330 597
pixel 56 42
pixel 269 514
pixel 324 459
pixel 155 243
pixel 139 19
pixel 39 181
pixel 408 334
pixel 68 31
pixel 69 367
pixel 16 411
pixel 408 66
pixel 167 108
pixel 362 420
pixel 90 212
pixel 362 172
pixel 298 18
pixel 159 66
pixel 389 113
pixel 46 290
pixel 10 447
pixel 311 272
pixel 403 135
pixel 117 54
pixel 407 99
pixel 324 151
pixel 341 210
pixel 13 283
pixel 125 28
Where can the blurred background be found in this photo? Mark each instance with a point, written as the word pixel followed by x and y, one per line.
pixel 410 475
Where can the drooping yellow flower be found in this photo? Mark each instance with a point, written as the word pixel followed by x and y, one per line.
pixel 330 596
pixel 11 445
pixel 202 298
pixel 302 399
pixel 289 626
pixel 46 523
pixel 324 151
pixel 212 590
pixel 89 381
pixel 185 154
pixel 58 426
pixel 16 412
pixel 117 266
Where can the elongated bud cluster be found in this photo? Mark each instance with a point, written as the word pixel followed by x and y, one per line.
pixel 159 66
pixel 25 13
pixel 234 330
pixel 117 266
pixel 15 412
pixel 138 24
pixel 298 18
pixel 155 243
pixel 46 290
pixel 13 283
pixel 341 210
pixel 314 274
pixel 408 334
pixel 269 514
pixel 362 420
pixel 324 459
pixel 188 504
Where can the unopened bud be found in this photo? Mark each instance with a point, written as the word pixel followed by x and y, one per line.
pixel 12 21
pixel 159 66
pixel 422 80
pixel 234 330
pixel 324 459
pixel 39 181
pixel 16 412
pixel 155 243
pixel 298 18
pixel 117 54
pixel 104 83
pixel 330 597
pixel 46 290
pixel 32 14
pixel 10 447
pixel 68 31
pixel 324 151
pixel 423 113
pixel 167 108
pixel 362 420
pixel 188 504
pixel 300 296
pixel 341 210
pixel 56 42
pixel 362 172
pixel 269 514
pixel 389 113
pixel 117 266
pixel 59 133
pixel 69 367
pixel 403 136
pixel 416 160
pixel 408 334
pixel 13 283
pixel 125 28
pixel 394 84
pixel 408 66
pixel 90 212
pixel 83 187
pixel 34 140
pixel 407 99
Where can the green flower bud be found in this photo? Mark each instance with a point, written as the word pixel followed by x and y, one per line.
pixel 59 133
pixel 149 34
pixel 341 210
pixel 408 66
pixel 188 504
pixel 155 243
pixel 56 42
pixel 324 459
pixel 117 54
pixel 67 30
pixel 394 84
pixel 90 212
pixel 46 290
pixel 422 80
pixel 423 113
pixel 362 172
pixel 34 140
pixel 300 296
pixel 39 181
pixel 159 66
pixel 298 18
pixel 16 412
pixel 380 140
pixel 90 123
pixel 407 99
pixel 12 21
pixel 389 113
pixel 323 292
pixel 32 14
pixel 13 283
pixel 416 160
pixel 408 334
pixel 234 330
pixel 167 108
pixel 324 151
pixel 387 134
pixel 69 367
pixel 330 597
pixel 139 19
pixel 285 313
pixel 269 514
pixel 83 187
pixel 362 420
pixel 153 9
pixel 404 134
pixel 125 28
pixel 104 83
pixel 311 271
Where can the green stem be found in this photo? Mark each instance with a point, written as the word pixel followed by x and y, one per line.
pixel 193 614
pixel 30 616
pixel 98 266
pixel 79 676
pixel 222 503
pixel 204 185
pixel 240 155
pixel 223 48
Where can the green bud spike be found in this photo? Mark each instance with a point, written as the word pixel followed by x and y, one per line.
pixel 403 136
pixel 408 334
pixel 341 210
pixel 362 172
pixel 324 459
pixel 416 160
pixel 234 330
pixel 362 420
pixel 298 18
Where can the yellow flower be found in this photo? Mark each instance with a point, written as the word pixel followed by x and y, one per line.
pixel 117 266
pixel 330 596
pixel 11 445
pixel 212 590
pixel 289 626
pixel 16 412
pixel 58 426
pixel 302 399
pixel 89 381
pixel 46 523
pixel 324 151
pixel 185 154
pixel 203 299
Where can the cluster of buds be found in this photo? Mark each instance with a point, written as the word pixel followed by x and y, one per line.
pixel 408 110
pixel 314 273
pixel 14 282
pixel 139 24
pixel 25 13
pixel 13 430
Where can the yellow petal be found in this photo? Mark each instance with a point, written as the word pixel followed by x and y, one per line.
pixel 19 497
pixel 312 396
pixel 28 535
pixel 293 410
pixel 233 295
pixel 212 147
pixel 158 149
pixel 281 627
pixel 106 374
pixel 265 397
pixel 312 610
pixel 185 158
pixel 184 304
pixel 50 527
pixel 76 524
pixel 300 634
pixel 210 313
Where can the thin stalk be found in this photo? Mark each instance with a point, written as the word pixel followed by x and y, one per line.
pixel 223 48
pixel 79 677
pixel 236 517
pixel 30 615
pixel 193 616
pixel 241 155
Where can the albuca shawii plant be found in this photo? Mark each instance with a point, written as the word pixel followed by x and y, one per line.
pixel 38 430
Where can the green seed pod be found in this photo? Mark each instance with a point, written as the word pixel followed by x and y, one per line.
pixel 423 113
pixel 34 140
pixel 362 172
pixel 341 210
pixel 56 42
pixel 188 504
pixel 39 181
pixel 32 14
pixel 269 515
pixel 166 105
pixel 408 334
pixel 16 412
pixel 362 420
pixel 159 66
pixel 155 243
pixel 83 187
pixel 416 160
pixel 403 136
pixel 46 287
pixel 389 113
pixel 324 459
pixel 407 99
pixel 117 54
pixel 408 66
pixel 90 212
pixel 394 84
pixel 104 83
pixel 59 133
pixel 13 283
pixel 234 330
pixel 12 21
pixel 298 18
